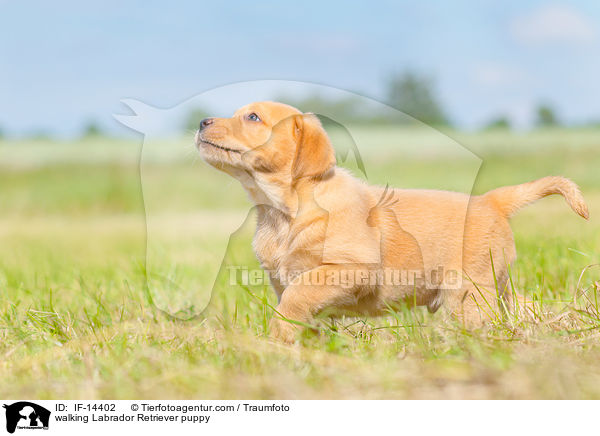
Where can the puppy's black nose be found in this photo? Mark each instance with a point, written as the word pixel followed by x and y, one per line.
pixel 206 122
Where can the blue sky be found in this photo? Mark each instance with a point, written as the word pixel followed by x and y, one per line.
pixel 65 63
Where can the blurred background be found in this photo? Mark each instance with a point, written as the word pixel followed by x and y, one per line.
pixel 66 65
pixel 493 94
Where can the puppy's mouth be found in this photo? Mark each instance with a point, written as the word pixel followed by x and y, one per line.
pixel 212 144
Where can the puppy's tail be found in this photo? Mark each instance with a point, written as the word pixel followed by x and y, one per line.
pixel 509 199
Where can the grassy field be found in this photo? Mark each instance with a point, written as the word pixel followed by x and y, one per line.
pixel 76 320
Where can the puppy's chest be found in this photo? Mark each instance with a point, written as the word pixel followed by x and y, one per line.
pixel 270 243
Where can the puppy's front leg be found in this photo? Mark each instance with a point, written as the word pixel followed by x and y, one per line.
pixel 325 287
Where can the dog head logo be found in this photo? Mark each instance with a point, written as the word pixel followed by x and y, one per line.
pixel 26 415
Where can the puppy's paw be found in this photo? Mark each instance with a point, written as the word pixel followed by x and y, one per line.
pixel 283 331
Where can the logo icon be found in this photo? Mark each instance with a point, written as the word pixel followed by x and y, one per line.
pixel 26 415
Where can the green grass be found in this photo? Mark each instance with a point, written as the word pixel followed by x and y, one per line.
pixel 77 322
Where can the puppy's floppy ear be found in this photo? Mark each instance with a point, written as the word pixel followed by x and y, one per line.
pixel 315 155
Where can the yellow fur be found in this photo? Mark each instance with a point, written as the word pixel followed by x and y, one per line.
pixel 316 223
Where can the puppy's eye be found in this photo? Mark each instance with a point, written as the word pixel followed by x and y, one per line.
pixel 253 117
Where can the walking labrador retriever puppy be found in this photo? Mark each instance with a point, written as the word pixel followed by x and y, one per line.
pixel 332 243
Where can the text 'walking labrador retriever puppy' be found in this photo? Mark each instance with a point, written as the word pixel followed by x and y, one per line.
pixel 332 243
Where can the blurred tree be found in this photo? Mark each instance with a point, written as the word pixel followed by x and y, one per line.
pixel 344 110
pixel 1 133
pixel 351 110
pixel 546 116
pixel 91 130
pixel 592 123
pixel 501 122
pixel 194 117
pixel 414 94
pixel 40 135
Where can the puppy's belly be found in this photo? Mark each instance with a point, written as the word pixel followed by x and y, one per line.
pixel 387 298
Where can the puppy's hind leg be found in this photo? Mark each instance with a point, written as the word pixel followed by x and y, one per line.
pixel 473 305
pixel 476 305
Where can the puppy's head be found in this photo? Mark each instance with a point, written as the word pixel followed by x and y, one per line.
pixel 273 140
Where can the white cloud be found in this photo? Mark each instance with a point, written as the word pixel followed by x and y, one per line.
pixel 491 74
pixel 553 23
